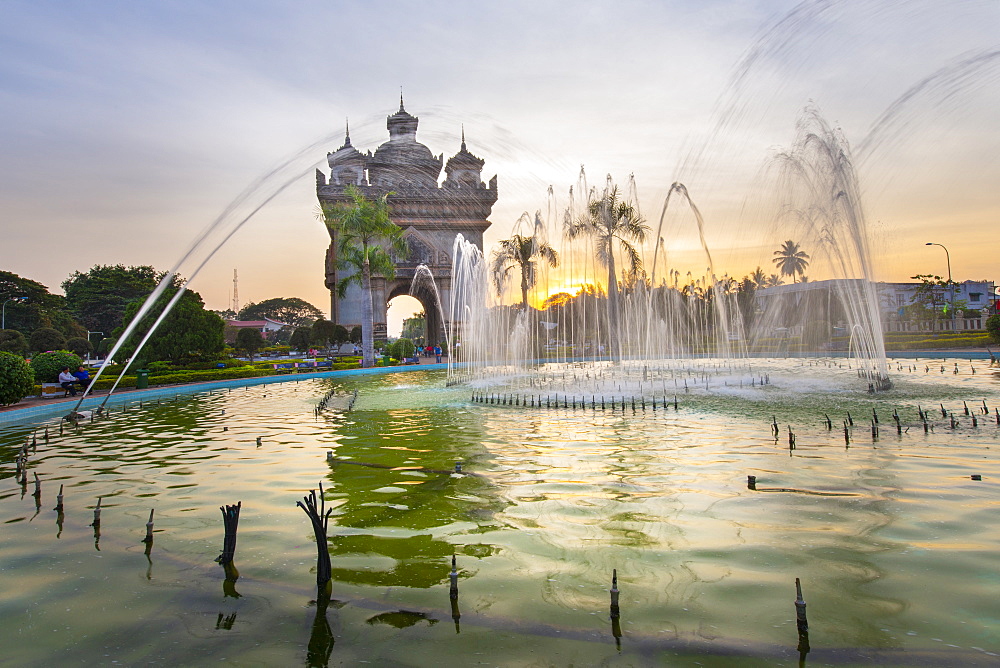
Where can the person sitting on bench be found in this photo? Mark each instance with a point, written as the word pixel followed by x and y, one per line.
pixel 82 377
pixel 67 381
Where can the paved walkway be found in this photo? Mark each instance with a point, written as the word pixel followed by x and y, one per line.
pixel 29 402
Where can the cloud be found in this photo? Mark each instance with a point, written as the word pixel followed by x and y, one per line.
pixel 127 127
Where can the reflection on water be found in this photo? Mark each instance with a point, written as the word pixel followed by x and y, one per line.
pixel 892 539
pixel 401 512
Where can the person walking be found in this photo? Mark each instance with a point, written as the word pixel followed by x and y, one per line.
pixel 437 353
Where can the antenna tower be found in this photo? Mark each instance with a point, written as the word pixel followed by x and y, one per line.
pixel 236 294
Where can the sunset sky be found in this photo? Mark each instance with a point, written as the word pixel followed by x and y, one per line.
pixel 128 127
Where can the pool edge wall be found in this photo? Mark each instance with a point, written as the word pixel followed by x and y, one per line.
pixel 117 400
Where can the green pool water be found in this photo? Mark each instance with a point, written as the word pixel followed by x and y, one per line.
pixel 894 543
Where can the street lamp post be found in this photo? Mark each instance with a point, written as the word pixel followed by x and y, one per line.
pixel 951 286
pixel 88 340
pixel 3 310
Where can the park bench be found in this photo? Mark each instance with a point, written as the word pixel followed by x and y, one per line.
pixel 53 391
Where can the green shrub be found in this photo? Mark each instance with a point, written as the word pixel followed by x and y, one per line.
pixel 157 368
pixel 401 348
pixel 16 378
pixel 993 327
pixel 48 365
pixel 114 369
pixel 107 380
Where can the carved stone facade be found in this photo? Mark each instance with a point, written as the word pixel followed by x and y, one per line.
pixel 430 214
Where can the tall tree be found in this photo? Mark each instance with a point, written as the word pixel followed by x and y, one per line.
pixel 773 281
pixel 614 224
pixel 415 327
pixel 365 236
pixel 79 346
pixel 188 333
pixel 323 332
pixel 289 310
pixel 791 260
pixel 34 307
pixel 13 341
pixel 45 339
pixel 249 341
pixel 523 254
pixel 301 338
pixel 340 335
pixel 98 297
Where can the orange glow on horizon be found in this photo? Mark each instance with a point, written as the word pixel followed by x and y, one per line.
pixel 572 288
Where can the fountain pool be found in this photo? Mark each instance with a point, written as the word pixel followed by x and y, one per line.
pixel 893 541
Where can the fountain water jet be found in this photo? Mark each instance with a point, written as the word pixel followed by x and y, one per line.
pixel 660 330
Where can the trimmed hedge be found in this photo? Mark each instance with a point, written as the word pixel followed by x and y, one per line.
pixel 915 336
pixel 257 370
pixel 177 377
pixel 975 341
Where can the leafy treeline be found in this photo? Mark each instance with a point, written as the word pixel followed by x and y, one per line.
pixel 289 310
pixel 97 305
pixel 100 302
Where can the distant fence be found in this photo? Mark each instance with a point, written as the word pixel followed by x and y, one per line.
pixel 957 325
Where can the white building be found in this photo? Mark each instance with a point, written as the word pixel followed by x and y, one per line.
pixel 893 299
pixel 263 326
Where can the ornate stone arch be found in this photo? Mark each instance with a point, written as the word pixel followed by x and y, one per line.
pixel 431 215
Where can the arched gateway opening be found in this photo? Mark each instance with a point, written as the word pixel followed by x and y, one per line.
pixel 433 329
pixel 431 216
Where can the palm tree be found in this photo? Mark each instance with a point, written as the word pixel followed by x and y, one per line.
pixel 365 236
pixel 773 281
pixel 758 278
pixel 790 260
pixel 520 252
pixel 613 224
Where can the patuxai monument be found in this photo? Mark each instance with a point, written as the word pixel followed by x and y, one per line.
pixel 430 213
